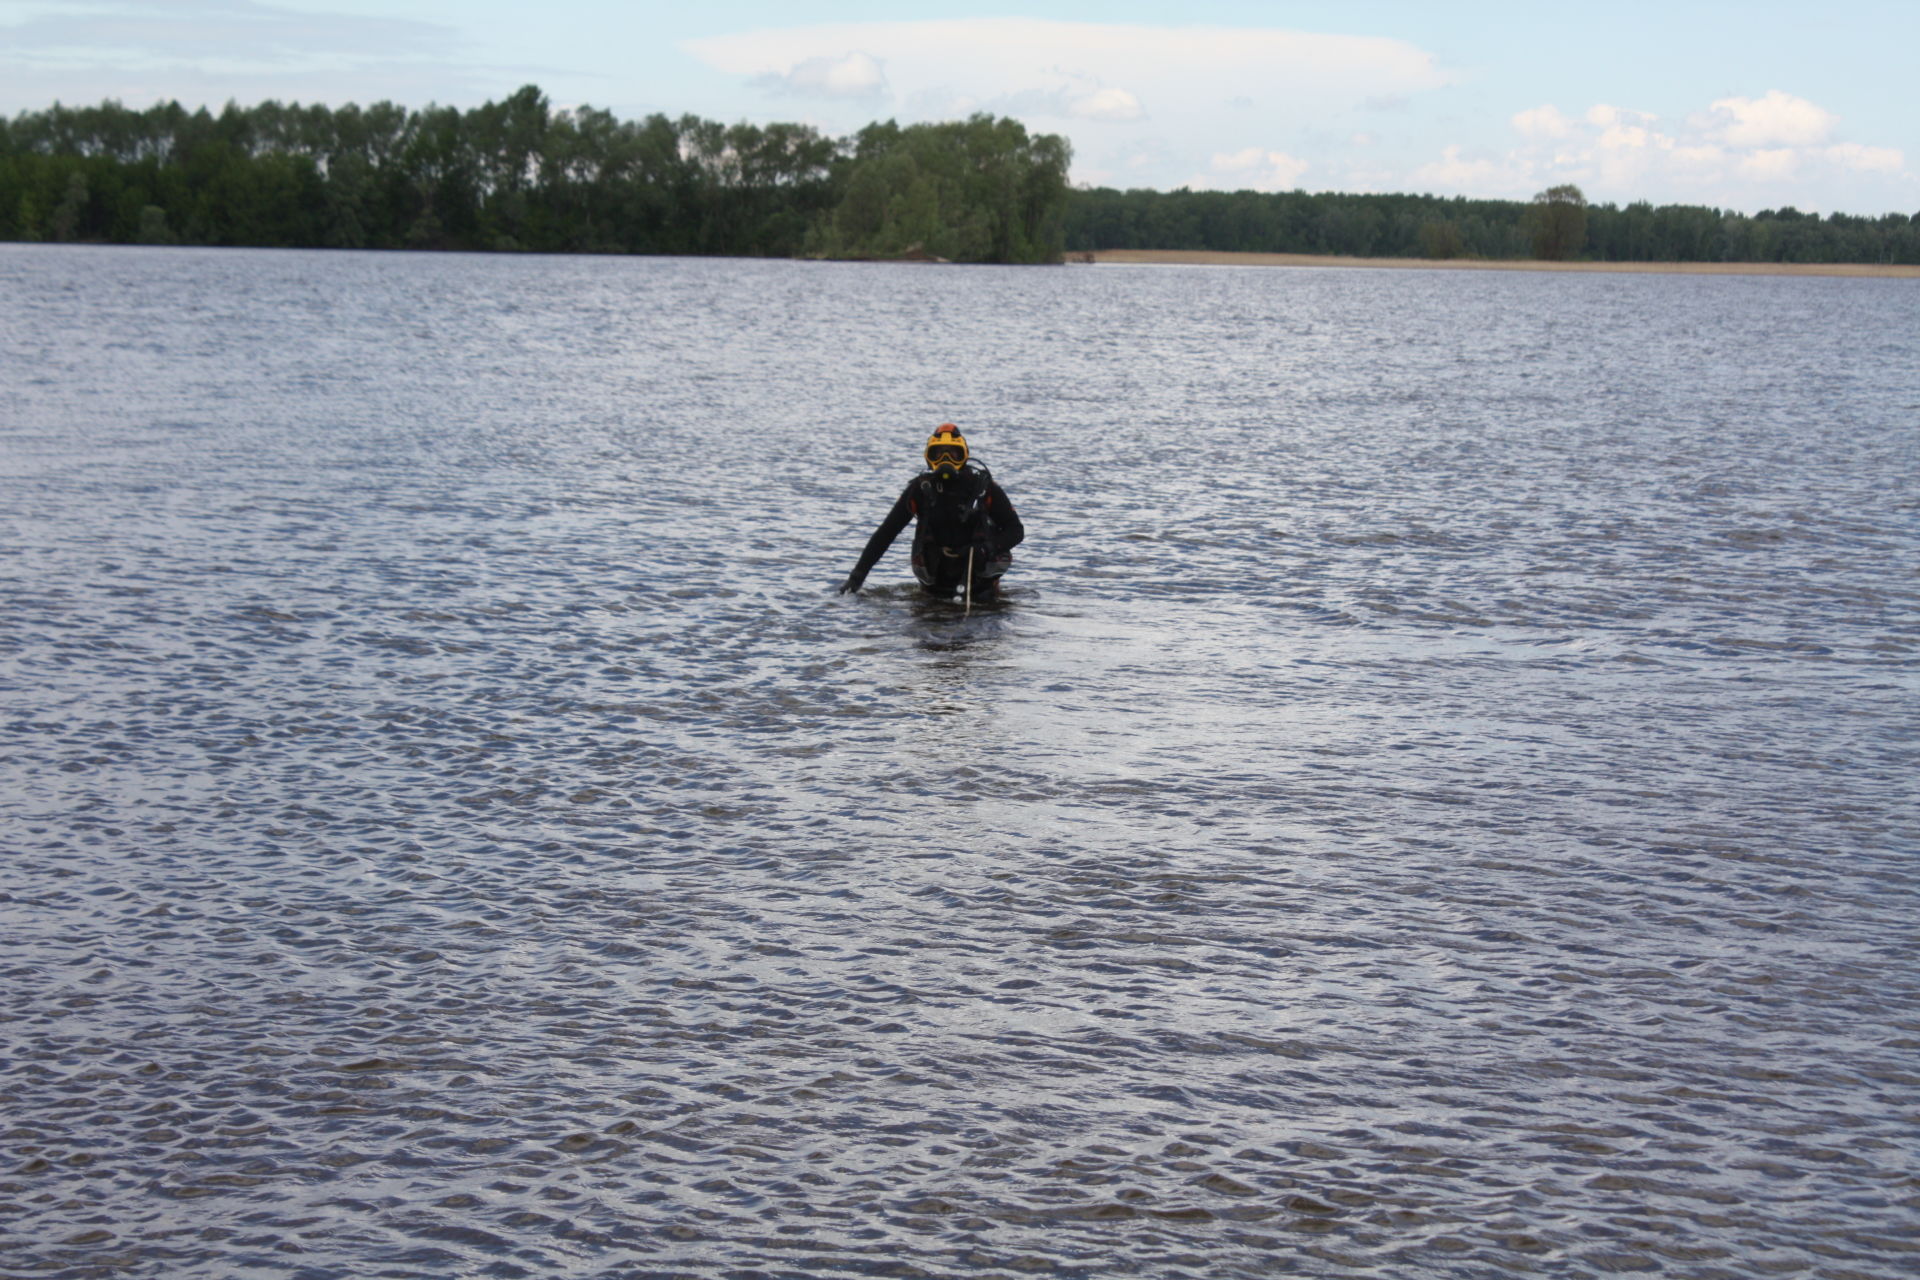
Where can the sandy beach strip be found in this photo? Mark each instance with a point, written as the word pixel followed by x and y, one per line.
pixel 1208 258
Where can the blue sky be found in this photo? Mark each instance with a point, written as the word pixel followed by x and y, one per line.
pixel 1737 105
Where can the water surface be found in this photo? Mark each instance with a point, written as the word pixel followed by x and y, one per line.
pixel 1438 799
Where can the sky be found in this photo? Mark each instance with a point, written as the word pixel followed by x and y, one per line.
pixel 1739 106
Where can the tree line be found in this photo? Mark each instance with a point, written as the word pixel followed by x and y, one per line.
pixel 1558 224
pixel 521 175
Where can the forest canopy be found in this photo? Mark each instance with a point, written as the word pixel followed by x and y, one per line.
pixel 1439 227
pixel 520 175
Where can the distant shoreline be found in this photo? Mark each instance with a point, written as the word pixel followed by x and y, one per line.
pixel 1208 258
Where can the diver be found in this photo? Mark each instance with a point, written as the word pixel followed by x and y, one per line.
pixel 965 524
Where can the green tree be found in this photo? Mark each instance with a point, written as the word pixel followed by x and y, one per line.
pixel 1441 240
pixel 68 214
pixel 153 225
pixel 981 190
pixel 1557 223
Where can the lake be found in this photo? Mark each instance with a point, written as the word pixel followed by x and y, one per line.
pixel 1437 797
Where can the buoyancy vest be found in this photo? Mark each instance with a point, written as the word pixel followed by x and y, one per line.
pixel 955 514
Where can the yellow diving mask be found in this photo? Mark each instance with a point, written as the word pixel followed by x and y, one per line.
pixel 946 449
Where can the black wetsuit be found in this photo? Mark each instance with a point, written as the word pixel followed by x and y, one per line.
pixel 968 512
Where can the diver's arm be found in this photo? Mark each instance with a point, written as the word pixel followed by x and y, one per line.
pixel 1008 532
pixel 882 538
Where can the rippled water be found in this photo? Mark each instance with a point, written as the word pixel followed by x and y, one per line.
pixel 1437 801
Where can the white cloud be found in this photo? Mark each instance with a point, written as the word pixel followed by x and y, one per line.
pixel 1542 122
pixel 1776 120
pixel 1706 160
pixel 1622 155
pixel 1055 74
pixel 1605 116
pixel 1106 104
pixel 848 75
pixel 1376 181
pixel 1455 171
pixel 198 31
pixel 1066 103
pixel 1628 137
pixel 1770 165
pixel 997 56
pixel 1851 155
pixel 1254 169
pixel 1114 88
